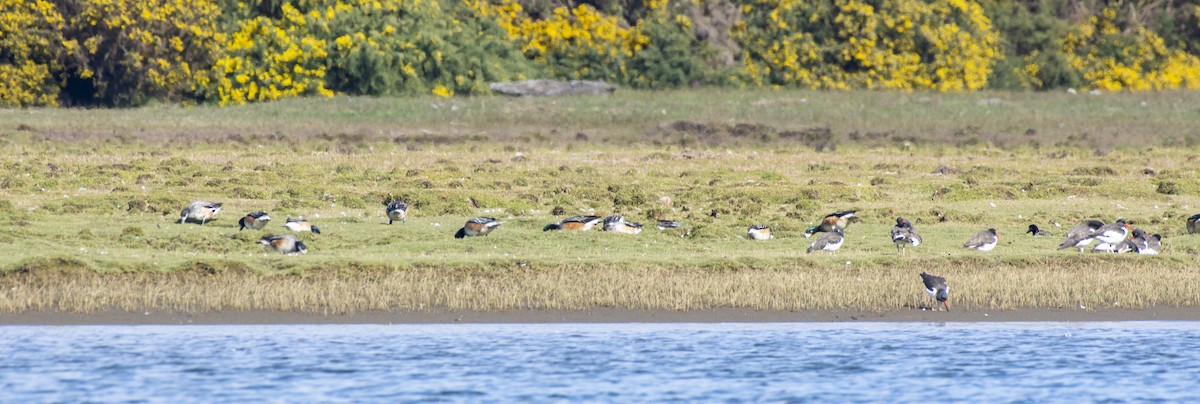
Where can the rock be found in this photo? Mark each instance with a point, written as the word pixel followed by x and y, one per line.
pixel 552 88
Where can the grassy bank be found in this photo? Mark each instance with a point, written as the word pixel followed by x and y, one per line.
pixel 88 201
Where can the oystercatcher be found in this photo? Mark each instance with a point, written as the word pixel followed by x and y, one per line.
pixel 286 244
pixel 830 241
pixel 1081 235
pixel 983 241
pixel 937 288
pixel 199 212
pixel 759 232
pixel 1113 233
pixel 574 223
pixel 253 221
pixel 1153 245
pixel 300 224
pixel 1033 229
pixel 1134 244
pixel 478 226
pixel 397 210
pixel 835 220
pixel 904 235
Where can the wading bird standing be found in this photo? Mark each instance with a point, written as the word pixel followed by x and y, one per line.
pixel 904 235
pixel 253 221
pixel 199 212
pixel 477 226
pixel 1113 233
pixel 937 288
pixel 397 210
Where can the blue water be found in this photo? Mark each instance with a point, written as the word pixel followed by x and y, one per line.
pixel 607 362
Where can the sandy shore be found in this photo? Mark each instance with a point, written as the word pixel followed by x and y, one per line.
pixel 599 316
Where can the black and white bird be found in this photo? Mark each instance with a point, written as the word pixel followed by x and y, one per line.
pixel 300 224
pixel 985 240
pixel 574 223
pixel 1193 224
pixel 253 221
pixel 904 235
pixel 1036 232
pixel 1113 233
pixel 1081 235
pixel 286 244
pixel 668 224
pixel 759 232
pixel 397 210
pixel 477 226
pixel 830 241
pixel 199 212
pixel 1104 248
pixel 1153 244
pixel 835 220
pixel 937 288
pixel 1134 244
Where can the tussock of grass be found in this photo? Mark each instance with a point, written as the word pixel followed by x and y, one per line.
pixel 90 225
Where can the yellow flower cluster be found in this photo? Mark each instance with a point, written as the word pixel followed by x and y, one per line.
pixel 947 45
pixel 28 30
pixel 270 59
pixel 1113 60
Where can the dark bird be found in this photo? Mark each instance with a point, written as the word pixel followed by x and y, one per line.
pixel 904 235
pixel 830 241
pixel 668 224
pixel 286 244
pixel 574 223
pixel 199 212
pixel 1134 244
pixel 985 240
pixel 1033 229
pixel 253 221
pixel 1153 245
pixel 1113 233
pixel 478 226
pixel 397 210
pixel 1081 235
pixel 617 223
pixel 300 224
pixel 1193 224
pixel 835 220
pixel 937 288
pixel 759 232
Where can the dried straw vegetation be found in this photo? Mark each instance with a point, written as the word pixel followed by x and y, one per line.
pixel 88 201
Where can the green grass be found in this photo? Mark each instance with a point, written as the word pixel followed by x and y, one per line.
pixel 89 201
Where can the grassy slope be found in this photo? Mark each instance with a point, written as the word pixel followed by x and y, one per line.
pixel 100 190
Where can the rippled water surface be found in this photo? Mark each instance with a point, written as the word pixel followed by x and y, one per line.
pixel 608 362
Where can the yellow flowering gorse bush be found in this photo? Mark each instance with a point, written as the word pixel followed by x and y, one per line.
pixel 29 31
pixel 1134 59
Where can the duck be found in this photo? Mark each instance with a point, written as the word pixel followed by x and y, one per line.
pixel 286 244
pixel 199 212
pixel 574 223
pixel 1193 224
pixel 937 289
pixel 477 226
pixel 668 224
pixel 835 220
pixel 397 210
pixel 1104 248
pixel 760 232
pixel 1113 233
pixel 1081 235
pixel 830 241
pixel 985 240
pixel 300 224
pixel 1153 245
pixel 618 224
pixel 253 221
pixel 1033 229
pixel 904 235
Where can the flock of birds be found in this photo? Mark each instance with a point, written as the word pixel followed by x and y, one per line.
pixel 1116 237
